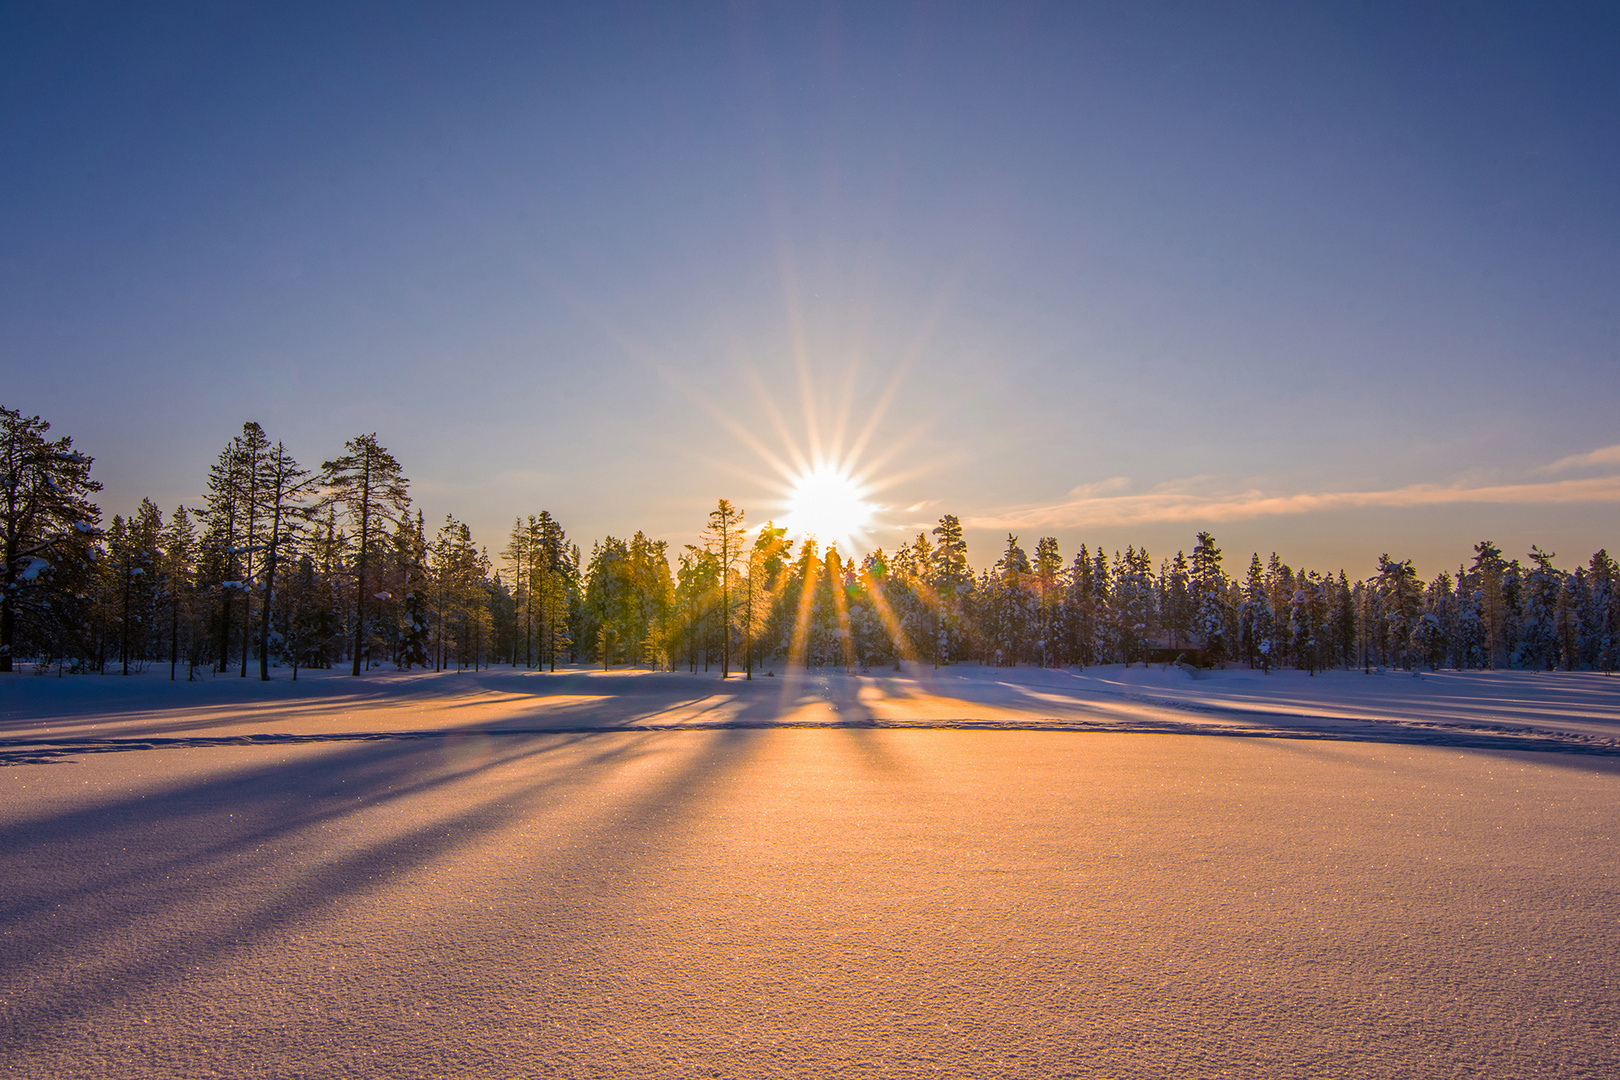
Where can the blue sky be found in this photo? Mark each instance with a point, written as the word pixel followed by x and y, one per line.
pixel 1334 281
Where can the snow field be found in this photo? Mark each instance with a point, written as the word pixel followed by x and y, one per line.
pixel 837 901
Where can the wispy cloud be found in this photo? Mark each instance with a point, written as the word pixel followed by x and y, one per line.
pixel 1113 485
pixel 1608 455
pixel 1173 503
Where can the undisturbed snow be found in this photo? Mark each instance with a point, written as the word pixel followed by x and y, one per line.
pixel 980 873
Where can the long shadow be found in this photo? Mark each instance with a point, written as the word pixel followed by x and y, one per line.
pixel 642 701
pixel 62 935
pixel 760 707
pixel 364 780
pixel 177 841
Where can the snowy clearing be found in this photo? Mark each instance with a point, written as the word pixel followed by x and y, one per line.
pixel 42 717
pixel 969 872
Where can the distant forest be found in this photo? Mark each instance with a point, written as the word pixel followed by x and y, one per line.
pixel 289 567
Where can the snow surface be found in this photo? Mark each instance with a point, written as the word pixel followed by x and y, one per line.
pixel 969 872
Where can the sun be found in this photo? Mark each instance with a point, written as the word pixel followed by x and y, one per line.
pixel 830 504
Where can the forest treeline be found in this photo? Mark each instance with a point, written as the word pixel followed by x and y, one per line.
pixel 290 567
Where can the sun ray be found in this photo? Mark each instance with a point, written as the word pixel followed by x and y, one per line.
pixel 841 417
pixel 903 648
pixel 798 649
pixel 801 464
pixel 846 636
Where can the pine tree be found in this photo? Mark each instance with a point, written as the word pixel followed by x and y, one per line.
pixel 1538 641
pixel 555 581
pixel 1080 610
pixel 517 556
pixel 282 488
pixel 252 446
pixel 1012 604
pixel 1399 596
pixel 1178 600
pixel 1048 568
pixel 367 482
pixel 1257 623
pixel 1489 572
pixel 177 579
pixel 765 566
pixel 951 581
pixel 1567 611
pixel 47 520
pixel 1209 588
pixel 724 539
pixel 410 558
pixel 140 564
pixel 1102 587
pixel 1304 620
pixel 1133 603
pixel 1604 621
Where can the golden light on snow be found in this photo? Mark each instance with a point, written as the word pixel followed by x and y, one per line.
pixel 830 504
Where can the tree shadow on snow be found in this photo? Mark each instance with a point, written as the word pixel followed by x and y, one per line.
pixel 107 902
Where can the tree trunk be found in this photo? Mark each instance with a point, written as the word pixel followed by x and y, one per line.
pixel 174 634
pixel 225 631
pixel 360 566
pixel 123 636
pixel 269 587
pixel 7 631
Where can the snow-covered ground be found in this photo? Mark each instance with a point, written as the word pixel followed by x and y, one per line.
pixel 1548 710
pixel 968 872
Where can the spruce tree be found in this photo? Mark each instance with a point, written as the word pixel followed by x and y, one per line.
pixel 1208 586
pixel 1257 623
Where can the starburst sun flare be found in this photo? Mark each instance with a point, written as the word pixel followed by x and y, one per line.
pixel 830 504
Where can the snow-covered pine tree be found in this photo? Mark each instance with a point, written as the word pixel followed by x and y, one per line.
pixel 1048 584
pixel 1487 580
pixel 951 579
pixel 1133 606
pixel 1538 640
pixel 1013 604
pixel 1399 595
pixel 1211 610
pixel 1432 634
pixel 1571 604
pixel 1603 622
pixel 1106 641
pixel 1079 605
pixel 1257 622
pixel 1178 610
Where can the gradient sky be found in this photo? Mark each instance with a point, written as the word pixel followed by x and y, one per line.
pixel 1332 281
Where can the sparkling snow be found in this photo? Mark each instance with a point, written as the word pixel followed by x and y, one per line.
pixel 969 872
